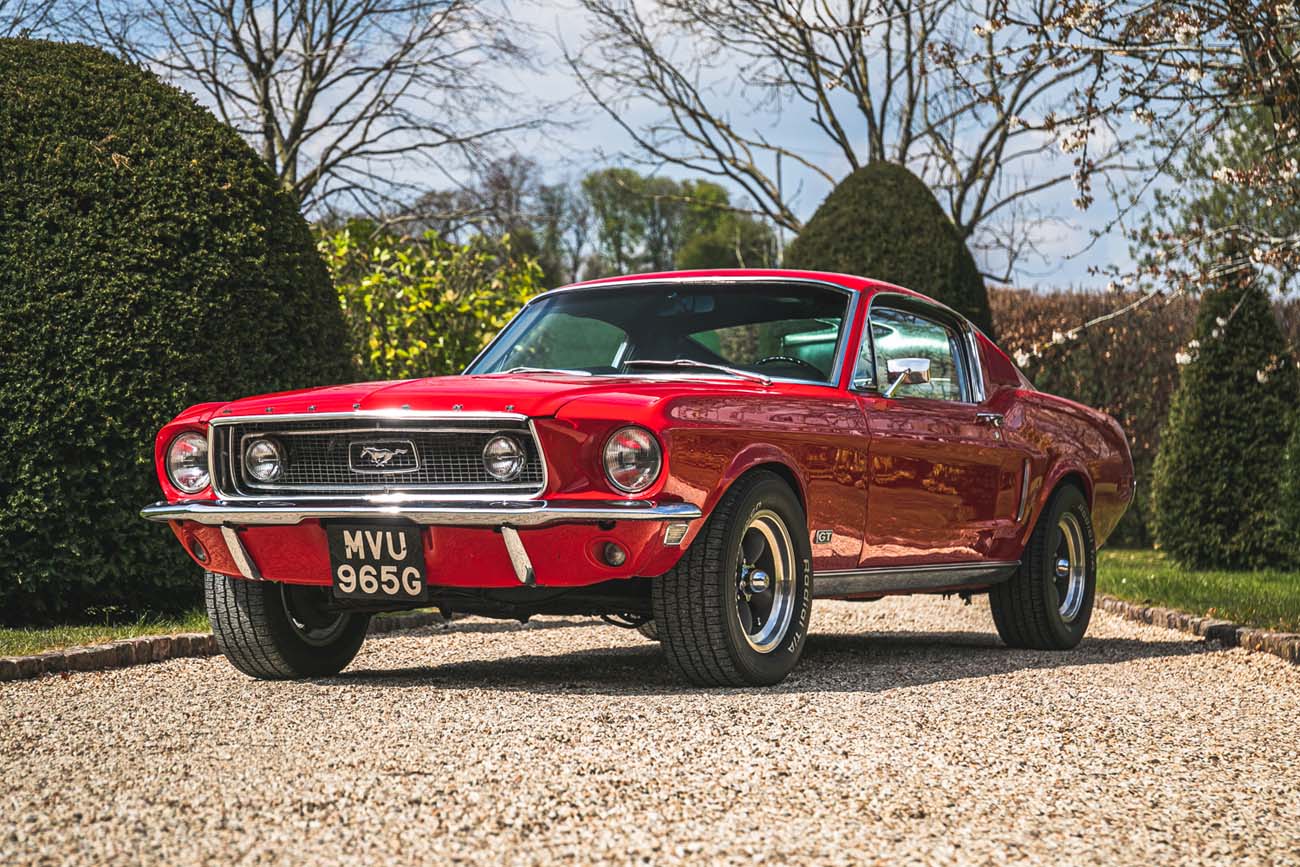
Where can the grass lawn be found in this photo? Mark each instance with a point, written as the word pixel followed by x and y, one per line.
pixel 1264 599
pixel 27 640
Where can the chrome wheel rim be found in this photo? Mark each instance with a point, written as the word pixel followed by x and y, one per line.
pixel 765 582
pixel 308 616
pixel 1070 566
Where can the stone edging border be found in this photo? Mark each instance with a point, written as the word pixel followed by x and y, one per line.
pixel 157 648
pixel 1283 644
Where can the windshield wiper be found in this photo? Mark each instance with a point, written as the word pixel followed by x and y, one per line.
pixel 704 365
pixel 546 370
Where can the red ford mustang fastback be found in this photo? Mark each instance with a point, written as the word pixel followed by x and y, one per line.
pixel 700 455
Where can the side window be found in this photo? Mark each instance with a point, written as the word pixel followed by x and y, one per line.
pixel 901 334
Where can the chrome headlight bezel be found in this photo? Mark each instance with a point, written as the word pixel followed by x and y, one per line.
pixel 268 464
pixel 187 462
pixel 507 455
pixel 633 459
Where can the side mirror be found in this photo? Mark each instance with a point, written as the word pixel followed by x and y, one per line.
pixel 907 371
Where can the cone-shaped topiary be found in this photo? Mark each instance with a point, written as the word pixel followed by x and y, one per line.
pixel 883 222
pixel 1290 498
pixel 148 261
pixel 1215 493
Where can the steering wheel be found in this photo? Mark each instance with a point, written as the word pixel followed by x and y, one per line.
pixel 790 359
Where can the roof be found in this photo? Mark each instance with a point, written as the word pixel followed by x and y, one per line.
pixel 847 281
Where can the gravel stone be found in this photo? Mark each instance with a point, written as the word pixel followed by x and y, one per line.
pixel 907 735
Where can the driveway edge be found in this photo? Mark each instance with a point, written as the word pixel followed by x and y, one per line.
pixel 1282 644
pixel 156 648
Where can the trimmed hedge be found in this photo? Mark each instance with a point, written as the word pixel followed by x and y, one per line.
pixel 424 307
pixel 149 261
pixel 1217 474
pixel 883 222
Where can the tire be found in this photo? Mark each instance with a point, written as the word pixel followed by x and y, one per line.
pixel 1047 605
pixel 276 631
pixel 697 605
pixel 649 630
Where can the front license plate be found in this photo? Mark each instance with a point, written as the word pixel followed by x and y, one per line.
pixel 370 562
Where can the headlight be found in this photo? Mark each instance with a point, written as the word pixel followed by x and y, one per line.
pixel 632 459
pixel 187 462
pixel 264 460
pixel 503 458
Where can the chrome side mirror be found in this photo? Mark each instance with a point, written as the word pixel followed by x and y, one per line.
pixel 907 371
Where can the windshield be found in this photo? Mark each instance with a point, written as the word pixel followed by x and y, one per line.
pixel 780 331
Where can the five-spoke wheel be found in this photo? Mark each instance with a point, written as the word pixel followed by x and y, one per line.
pixel 735 609
pixel 765 600
pixel 1047 604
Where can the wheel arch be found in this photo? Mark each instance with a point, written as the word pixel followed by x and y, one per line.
pixel 757 458
pixel 1057 477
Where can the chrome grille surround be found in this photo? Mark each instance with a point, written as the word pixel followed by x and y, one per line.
pixel 448 462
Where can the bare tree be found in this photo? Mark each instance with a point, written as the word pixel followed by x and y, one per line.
pixel 1194 71
pixel 922 83
pixel 350 100
pixel 23 17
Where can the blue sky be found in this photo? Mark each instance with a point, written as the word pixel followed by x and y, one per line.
pixel 592 139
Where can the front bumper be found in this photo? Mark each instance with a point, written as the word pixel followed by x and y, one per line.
pixel 528 513
pixel 283 540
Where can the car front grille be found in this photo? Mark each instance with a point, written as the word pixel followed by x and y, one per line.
pixel 365 456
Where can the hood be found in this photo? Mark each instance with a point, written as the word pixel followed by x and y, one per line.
pixel 531 394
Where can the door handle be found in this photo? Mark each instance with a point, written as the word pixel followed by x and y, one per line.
pixel 992 419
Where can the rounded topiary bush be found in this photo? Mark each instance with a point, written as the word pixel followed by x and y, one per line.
pixel 883 222
pixel 1216 488
pixel 148 261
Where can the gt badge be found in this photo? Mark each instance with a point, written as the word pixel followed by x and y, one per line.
pixel 822 537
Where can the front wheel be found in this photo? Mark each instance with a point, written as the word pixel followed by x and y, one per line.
pixel 735 609
pixel 1047 604
pixel 276 631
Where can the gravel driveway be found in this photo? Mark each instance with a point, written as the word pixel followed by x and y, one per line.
pixel 907 734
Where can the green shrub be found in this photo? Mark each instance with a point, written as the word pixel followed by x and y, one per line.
pixel 883 222
pixel 426 307
pixel 149 261
pixel 1290 496
pixel 1216 487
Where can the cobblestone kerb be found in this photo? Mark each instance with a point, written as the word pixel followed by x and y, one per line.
pixel 157 648
pixel 1225 632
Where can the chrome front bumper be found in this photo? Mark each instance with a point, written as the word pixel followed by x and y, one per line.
pixel 504 516
pixel 525 513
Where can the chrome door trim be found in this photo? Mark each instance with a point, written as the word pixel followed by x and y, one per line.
pixel 911 579
pixel 974 370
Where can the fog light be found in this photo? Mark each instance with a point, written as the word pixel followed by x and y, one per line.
pixel 614 555
pixel 200 553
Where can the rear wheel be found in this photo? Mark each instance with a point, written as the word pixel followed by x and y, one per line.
pixel 1047 604
pixel 735 609
pixel 279 631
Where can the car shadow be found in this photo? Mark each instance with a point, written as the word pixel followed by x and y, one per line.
pixel 482 626
pixel 863 663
